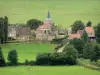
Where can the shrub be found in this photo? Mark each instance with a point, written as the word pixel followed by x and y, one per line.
pixel 43 58
pixel 13 57
pixel 31 63
pixel 78 44
pixel 26 62
pixel 2 60
pixel 54 59
pixel 70 51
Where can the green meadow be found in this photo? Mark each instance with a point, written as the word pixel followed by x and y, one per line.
pixel 27 50
pixel 63 12
pixel 47 70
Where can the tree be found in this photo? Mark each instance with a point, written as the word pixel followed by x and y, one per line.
pixel 13 57
pixel 2 60
pixel 97 52
pixel 70 51
pixel 1 30
pixel 89 24
pixel 97 32
pixel 88 50
pixel 92 51
pixel 78 44
pixel 5 29
pixel 34 23
pixel 85 37
pixel 78 25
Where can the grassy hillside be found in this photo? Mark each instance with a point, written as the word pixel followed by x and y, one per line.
pixel 63 12
pixel 27 51
pixel 47 70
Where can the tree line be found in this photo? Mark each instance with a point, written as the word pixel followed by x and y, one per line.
pixel 68 57
pixel 3 29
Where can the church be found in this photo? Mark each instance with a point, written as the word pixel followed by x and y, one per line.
pixel 47 31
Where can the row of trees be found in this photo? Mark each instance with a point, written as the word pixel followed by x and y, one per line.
pixel 79 25
pixel 3 29
pixel 89 50
pixel 68 57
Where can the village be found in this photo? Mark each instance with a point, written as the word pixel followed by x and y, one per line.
pixel 48 31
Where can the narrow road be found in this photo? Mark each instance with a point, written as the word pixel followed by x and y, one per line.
pixel 62 48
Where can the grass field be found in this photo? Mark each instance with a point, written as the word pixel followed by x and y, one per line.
pixel 47 70
pixel 27 51
pixel 63 12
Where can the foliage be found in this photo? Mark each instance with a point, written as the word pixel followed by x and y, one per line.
pixel 31 63
pixel 85 37
pixel 78 25
pixel 55 59
pixel 78 44
pixel 3 29
pixel 13 57
pixel 2 60
pixel 87 65
pixel 70 51
pixel 89 24
pixel 91 51
pixel 26 62
pixel 43 59
pixel 34 23
pixel 97 31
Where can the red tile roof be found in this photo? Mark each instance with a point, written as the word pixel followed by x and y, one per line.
pixel 71 36
pixel 89 29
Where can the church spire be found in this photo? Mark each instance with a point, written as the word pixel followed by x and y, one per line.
pixel 48 15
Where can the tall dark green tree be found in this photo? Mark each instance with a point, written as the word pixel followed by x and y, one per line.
pixel 97 32
pixel 5 29
pixel 85 37
pixel 13 57
pixel 89 24
pixel 78 25
pixel 1 30
pixel 88 50
pixel 2 60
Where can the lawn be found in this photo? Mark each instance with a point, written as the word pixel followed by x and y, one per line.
pixel 47 70
pixel 63 12
pixel 27 50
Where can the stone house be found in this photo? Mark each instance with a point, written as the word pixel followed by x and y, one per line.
pixel 19 33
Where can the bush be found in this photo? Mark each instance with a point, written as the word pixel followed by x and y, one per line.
pixel 70 51
pixel 78 44
pixel 54 59
pixel 43 59
pixel 26 62
pixel 2 60
pixel 13 57
pixel 31 63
